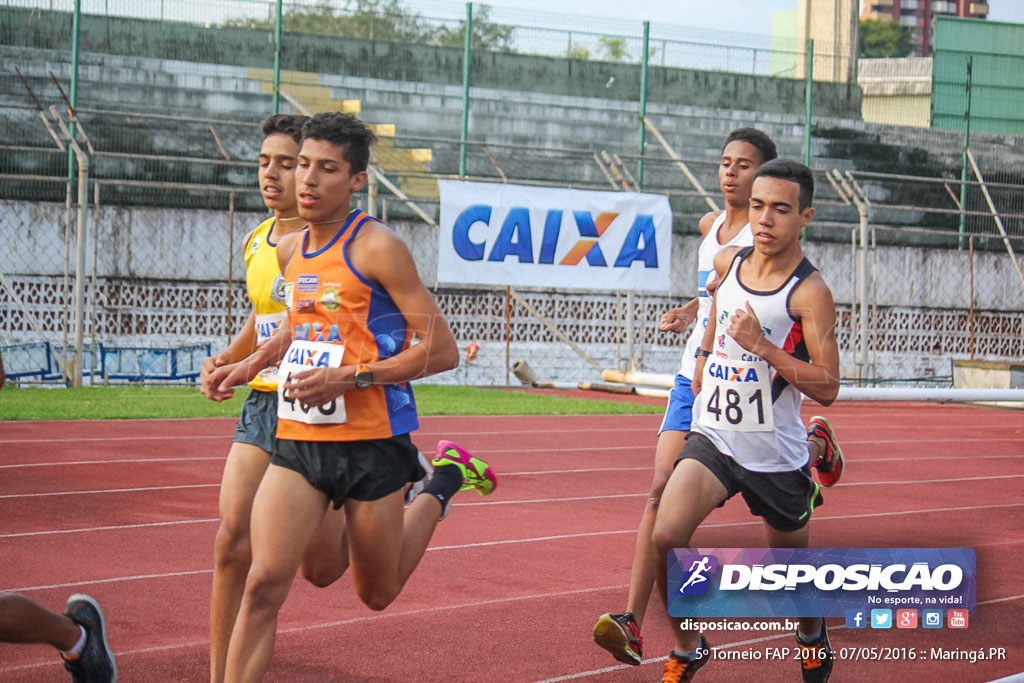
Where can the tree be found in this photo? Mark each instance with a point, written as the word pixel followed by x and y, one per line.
pixel 384 20
pixel 614 48
pixel 884 39
pixel 577 52
pixel 486 34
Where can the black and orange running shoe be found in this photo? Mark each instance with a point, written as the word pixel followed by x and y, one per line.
pixel 816 659
pixel 830 464
pixel 95 663
pixel 679 669
pixel 620 635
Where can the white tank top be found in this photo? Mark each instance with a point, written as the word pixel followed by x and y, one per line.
pixel 745 407
pixel 709 248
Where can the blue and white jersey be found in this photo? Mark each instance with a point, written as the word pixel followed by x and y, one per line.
pixel 749 411
pixel 709 248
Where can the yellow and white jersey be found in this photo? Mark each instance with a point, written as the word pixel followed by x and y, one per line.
pixel 266 292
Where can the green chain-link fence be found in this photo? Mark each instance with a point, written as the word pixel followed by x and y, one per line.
pixel 170 93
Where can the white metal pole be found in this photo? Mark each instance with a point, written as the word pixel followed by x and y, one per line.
pixel 863 267
pixel 371 194
pixel 630 358
pixel 83 199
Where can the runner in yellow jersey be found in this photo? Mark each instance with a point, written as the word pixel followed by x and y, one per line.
pixel 346 410
pixel 254 434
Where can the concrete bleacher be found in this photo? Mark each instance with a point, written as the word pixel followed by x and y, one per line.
pixel 416 103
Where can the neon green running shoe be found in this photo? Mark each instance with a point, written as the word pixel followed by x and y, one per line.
pixel 476 473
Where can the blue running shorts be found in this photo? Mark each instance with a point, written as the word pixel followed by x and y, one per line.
pixel 680 407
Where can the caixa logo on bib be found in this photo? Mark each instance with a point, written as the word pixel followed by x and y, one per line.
pixel 807 582
pixel 515 234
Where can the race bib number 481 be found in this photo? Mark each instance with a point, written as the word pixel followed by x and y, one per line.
pixel 302 356
pixel 736 396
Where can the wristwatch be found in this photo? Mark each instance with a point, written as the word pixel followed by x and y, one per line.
pixel 363 378
pixel 701 353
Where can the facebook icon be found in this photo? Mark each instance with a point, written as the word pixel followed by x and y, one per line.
pixel 856 618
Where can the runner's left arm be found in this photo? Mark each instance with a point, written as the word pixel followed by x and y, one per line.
pixel 436 350
pixel 678 319
pixel 812 302
pixel 382 257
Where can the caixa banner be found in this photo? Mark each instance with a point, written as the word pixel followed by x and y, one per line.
pixel 500 234
pixel 817 582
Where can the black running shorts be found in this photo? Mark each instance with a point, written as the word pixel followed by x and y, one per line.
pixel 258 422
pixel 362 470
pixel 784 499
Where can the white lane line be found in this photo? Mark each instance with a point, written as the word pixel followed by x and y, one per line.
pixel 924 458
pixel 843 442
pixel 97 491
pixel 380 616
pixel 461 433
pixel 559 537
pixel 931 481
pixel 142 577
pixel 567 499
pixel 489 503
pixel 168 437
pixel 540 539
pixel 421 432
pixel 118 461
pixel 116 579
pixel 117 527
pixel 859 461
pixel 913 482
pixel 58 463
pixel 554 451
pixel 582 470
pixel 210 521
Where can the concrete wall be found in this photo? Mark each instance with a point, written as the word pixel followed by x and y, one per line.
pixel 897 91
pixel 183 245
pixel 898 110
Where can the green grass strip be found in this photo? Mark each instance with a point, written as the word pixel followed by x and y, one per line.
pixel 92 403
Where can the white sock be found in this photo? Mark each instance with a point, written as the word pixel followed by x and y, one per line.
pixel 79 646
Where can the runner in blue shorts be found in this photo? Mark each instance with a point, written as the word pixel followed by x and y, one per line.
pixel 771 341
pixel 745 150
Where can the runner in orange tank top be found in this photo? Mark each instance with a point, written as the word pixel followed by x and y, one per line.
pixel 345 409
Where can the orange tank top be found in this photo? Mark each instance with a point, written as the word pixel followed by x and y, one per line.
pixel 330 302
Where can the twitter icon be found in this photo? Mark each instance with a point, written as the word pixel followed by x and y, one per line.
pixel 881 618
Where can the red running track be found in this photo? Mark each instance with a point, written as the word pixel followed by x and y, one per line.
pixel 510 588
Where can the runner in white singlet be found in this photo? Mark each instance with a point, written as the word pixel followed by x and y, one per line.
pixel 771 338
pixel 743 153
